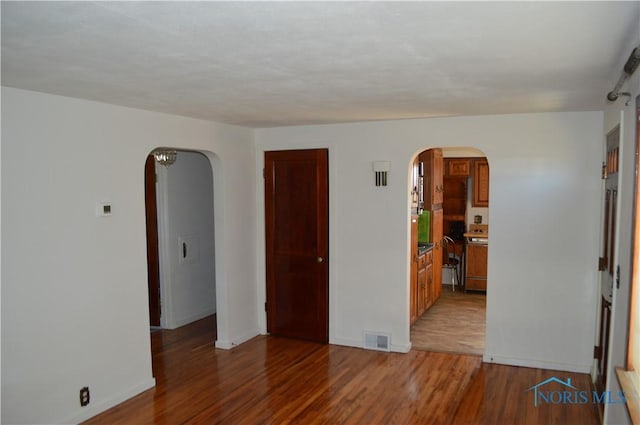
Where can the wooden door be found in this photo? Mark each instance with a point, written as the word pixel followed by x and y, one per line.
pixel 297 236
pixel 153 268
pixel 609 270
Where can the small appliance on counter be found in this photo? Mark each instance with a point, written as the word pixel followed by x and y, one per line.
pixel 478 234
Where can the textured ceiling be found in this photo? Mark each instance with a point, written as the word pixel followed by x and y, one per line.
pixel 268 64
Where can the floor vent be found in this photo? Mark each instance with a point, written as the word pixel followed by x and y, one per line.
pixel 377 341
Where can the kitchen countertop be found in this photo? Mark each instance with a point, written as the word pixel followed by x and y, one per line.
pixel 476 235
pixel 422 248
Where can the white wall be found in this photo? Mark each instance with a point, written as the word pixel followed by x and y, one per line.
pixel 617 113
pixel 185 216
pixel 544 204
pixel 74 286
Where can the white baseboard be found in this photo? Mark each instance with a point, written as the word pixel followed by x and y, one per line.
pixel 398 348
pixel 190 319
pixel 234 342
pixel 537 364
pixel 93 410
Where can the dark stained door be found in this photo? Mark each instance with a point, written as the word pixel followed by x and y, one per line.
pixel 297 236
pixel 153 270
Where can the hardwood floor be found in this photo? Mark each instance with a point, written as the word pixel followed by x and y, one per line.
pixel 454 324
pixel 271 380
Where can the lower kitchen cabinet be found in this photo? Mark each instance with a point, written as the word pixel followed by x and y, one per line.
pixel 424 289
pixel 476 267
pixel 421 290
pixel 413 285
pixel 430 296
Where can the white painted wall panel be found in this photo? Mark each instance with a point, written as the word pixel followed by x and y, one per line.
pixel 74 286
pixel 544 228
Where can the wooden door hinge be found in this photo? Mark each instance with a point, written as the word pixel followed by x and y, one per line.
pixel 597 352
pixel 265 306
pixel 602 264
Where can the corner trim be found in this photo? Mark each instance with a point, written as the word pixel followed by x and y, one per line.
pixel 234 342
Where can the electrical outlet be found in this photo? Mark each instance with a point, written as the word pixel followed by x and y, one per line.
pixel 84 396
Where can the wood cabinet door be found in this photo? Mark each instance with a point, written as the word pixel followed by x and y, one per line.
pixel 436 238
pixel 430 290
pixel 413 274
pixel 433 181
pixel 480 183
pixel 455 167
pixel 422 288
pixel 477 260
pixel 438 176
pixel 476 276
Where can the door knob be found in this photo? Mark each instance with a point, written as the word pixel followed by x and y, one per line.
pixel 320 260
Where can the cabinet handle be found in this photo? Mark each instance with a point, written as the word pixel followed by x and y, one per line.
pixel 320 260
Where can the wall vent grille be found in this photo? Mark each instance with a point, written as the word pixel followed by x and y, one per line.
pixel 379 341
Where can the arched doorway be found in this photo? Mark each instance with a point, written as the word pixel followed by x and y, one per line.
pixel 449 249
pixel 185 238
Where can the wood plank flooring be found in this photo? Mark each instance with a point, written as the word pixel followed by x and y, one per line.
pixel 454 324
pixel 271 380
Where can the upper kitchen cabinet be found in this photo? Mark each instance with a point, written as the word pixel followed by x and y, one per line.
pixel 433 177
pixel 480 183
pixel 457 167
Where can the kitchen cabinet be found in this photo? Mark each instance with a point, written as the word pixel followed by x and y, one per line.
pixel 433 166
pixel 457 167
pixel 413 283
pixel 430 297
pixel 476 267
pixel 421 276
pixel 424 282
pixel 422 285
pixel 454 206
pixel 436 239
pixel 480 183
